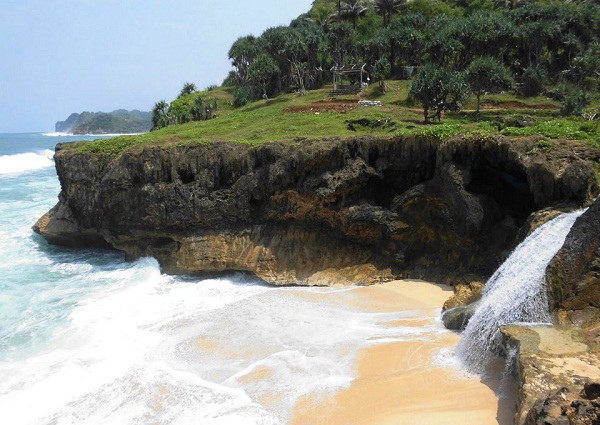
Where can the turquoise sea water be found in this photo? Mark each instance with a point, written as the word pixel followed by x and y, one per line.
pixel 86 337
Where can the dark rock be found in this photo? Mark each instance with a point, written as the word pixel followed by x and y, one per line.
pixel 551 411
pixel 403 206
pixel 457 318
pixel 591 390
pixel 573 275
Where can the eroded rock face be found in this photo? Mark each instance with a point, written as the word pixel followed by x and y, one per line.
pixel 362 210
pixel 573 276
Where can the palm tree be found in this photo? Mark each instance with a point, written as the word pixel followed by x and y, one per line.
pixel 387 8
pixel 159 113
pixel 188 88
pixel 352 10
pixel 321 16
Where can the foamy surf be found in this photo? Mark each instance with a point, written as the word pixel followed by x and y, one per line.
pixel 143 347
pixel 23 162
pixel 58 134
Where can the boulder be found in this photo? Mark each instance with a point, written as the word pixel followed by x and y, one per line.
pixel 457 318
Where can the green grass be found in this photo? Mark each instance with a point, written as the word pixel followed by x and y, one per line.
pixel 271 120
pixel 564 128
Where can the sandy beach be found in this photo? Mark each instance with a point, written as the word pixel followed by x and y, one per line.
pixel 399 382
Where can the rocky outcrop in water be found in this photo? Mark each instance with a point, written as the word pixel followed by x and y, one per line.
pixel 361 210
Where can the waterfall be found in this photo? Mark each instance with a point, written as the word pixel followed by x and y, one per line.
pixel 516 292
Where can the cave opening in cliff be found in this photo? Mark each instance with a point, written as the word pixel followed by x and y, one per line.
pixel 509 189
pixel 379 192
pixel 186 175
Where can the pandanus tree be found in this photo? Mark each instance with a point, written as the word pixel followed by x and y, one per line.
pixel 352 10
pixel 387 8
pixel 438 88
pixel 261 71
pixel 242 53
pixel 487 75
pixel 340 41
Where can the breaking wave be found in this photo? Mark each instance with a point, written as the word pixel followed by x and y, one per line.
pixel 23 162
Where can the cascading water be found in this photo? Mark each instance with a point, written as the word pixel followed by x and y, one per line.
pixel 516 293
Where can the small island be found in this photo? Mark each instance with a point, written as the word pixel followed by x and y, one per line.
pixel 120 121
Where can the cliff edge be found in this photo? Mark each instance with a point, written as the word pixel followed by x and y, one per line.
pixel 360 210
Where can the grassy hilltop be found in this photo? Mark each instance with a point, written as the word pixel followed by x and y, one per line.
pixel 516 68
pixel 290 117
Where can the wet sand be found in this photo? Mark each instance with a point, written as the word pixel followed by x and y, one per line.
pixel 398 382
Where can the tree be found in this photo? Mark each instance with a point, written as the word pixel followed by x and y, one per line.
pixel 352 10
pixel 387 8
pixel 321 16
pixel 443 45
pixel 381 69
pixel 312 37
pixel 284 45
pixel 437 89
pixel 242 53
pixel 403 41
pixel 340 41
pixel 188 88
pixel 486 74
pixel 261 70
pixel 159 115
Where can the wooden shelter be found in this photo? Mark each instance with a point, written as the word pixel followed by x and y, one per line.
pixel 349 79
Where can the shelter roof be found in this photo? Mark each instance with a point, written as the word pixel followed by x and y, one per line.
pixel 348 68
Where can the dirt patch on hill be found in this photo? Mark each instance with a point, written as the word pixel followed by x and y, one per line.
pixel 340 106
pixel 515 104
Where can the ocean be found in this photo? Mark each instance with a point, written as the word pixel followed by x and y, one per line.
pixel 86 337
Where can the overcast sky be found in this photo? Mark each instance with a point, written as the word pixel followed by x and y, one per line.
pixel 64 56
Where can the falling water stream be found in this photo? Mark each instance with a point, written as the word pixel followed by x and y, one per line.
pixel 516 292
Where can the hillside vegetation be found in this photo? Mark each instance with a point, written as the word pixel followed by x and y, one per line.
pixel 518 68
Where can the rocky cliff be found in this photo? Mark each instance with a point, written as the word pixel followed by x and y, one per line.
pixel 574 274
pixel 359 210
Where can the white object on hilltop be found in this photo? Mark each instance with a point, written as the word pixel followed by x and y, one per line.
pixel 369 103
pixel 516 292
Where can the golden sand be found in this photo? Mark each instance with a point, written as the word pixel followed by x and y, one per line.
pixel 397 383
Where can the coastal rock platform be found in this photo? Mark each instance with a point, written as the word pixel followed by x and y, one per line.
pixel 558 372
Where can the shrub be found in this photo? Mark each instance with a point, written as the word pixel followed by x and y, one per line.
pixel 574 102
pixel 241 96
pixel 532 81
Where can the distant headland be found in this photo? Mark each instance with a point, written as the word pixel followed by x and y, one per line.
pixel 120 121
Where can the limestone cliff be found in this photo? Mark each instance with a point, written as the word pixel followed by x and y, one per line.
pixel 359 210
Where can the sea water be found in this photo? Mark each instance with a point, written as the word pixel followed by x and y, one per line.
pixel 86 337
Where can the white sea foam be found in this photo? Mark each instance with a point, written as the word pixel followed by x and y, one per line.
pixel 56 134
pixel 148 348
pixel 59 134
pixel 111 351
pixel 22 162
